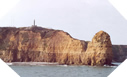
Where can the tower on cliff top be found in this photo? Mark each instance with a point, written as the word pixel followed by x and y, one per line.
pixel 34 21
pixel 34 24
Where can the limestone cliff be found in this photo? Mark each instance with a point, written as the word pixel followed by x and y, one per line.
pixel 47 45
pixel 39 44
pixel 99 51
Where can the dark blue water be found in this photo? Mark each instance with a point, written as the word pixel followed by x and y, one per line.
pixel 63 71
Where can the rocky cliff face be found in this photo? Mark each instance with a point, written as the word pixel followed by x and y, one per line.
pixel 99 51
pixel 39 44
pixel 47 45
pixel 119 53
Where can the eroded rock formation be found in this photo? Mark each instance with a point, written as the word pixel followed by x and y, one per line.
pixel 99 51
pixel 47 45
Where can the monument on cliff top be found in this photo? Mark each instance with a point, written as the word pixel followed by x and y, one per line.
pixel 34 24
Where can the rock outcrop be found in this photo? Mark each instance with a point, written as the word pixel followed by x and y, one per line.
pixel 47 45
pixel 99 51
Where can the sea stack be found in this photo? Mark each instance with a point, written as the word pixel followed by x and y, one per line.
pixel 99 50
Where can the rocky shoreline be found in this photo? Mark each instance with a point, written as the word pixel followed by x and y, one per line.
pixel 32 63
pixel 49 64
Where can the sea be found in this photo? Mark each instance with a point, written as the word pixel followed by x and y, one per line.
pixel 62 70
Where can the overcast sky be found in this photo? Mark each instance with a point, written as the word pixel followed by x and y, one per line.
pixel 80 18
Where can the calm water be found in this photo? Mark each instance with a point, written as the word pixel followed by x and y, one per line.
pixel 62 71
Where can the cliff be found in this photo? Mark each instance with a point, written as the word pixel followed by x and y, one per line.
pixel 119 53
pixel 39 44
pixel 99 50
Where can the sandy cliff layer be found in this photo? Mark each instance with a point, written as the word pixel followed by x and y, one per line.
pixel 47 45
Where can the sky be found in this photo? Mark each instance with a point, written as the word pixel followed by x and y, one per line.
pixel 82 19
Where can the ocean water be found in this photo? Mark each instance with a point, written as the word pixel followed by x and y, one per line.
pixel 62 71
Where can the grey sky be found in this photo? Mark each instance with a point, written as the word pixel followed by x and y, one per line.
pixel 80 18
